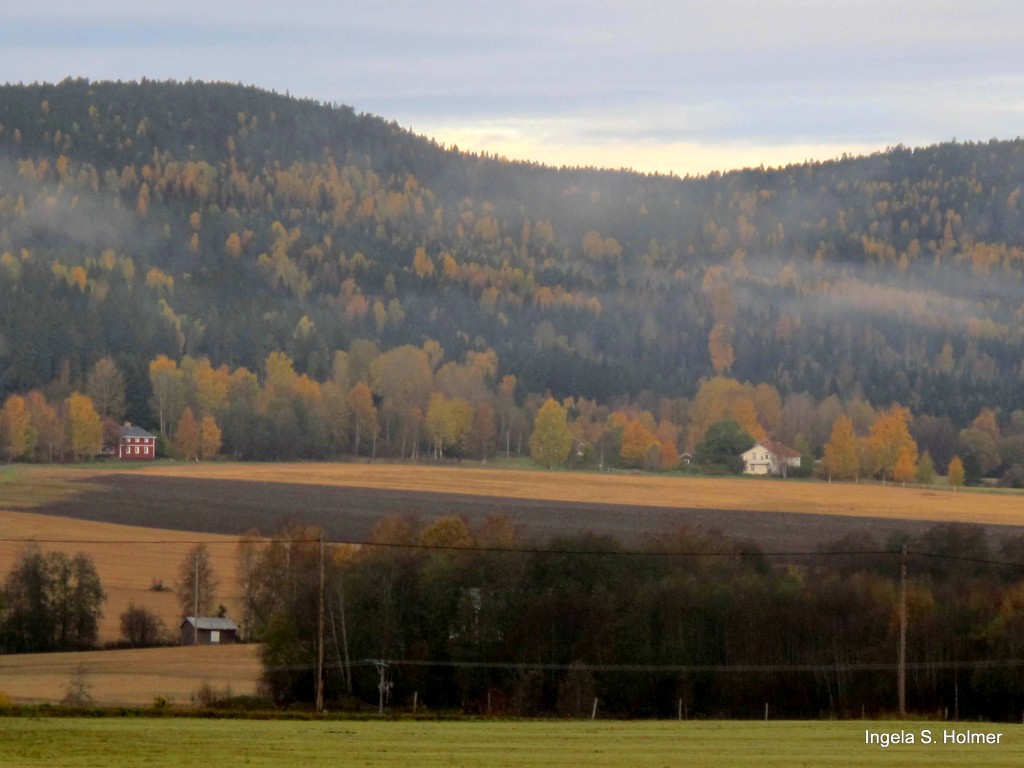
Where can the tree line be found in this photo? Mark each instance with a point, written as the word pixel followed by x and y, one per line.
pixel 412 402
pixel 481 621
pixel 50 601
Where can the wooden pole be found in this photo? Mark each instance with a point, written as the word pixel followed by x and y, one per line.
pixel 195 594
pixel 902 633
pixel 344 641
pixel 593 712
pixel 320 634
pixel 382 668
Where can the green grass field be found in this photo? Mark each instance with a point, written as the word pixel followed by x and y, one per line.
pixel 54 742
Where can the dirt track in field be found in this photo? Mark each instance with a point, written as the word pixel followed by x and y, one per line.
pixel 348 513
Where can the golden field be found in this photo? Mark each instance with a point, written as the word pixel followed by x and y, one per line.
pixel 132 677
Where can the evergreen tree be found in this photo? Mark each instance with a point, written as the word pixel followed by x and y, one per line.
pixel 723 446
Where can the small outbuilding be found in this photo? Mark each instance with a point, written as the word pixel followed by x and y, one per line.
pixel 210 630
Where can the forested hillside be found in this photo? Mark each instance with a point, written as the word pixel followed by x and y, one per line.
pixel 217 225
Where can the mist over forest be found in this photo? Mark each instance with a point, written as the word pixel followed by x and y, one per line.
pixel 225 224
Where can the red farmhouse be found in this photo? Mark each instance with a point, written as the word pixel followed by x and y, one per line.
pixel 136 444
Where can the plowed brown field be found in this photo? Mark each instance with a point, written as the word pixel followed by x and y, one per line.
pixel 851 499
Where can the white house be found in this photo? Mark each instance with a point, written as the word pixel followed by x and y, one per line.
pixel 770 458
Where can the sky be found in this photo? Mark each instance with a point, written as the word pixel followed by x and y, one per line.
pixel 667 86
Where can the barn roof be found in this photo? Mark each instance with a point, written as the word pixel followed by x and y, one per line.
pixel 212 623
pixel 781 450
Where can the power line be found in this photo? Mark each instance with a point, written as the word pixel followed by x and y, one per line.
pixel 921 666
pixel 220 541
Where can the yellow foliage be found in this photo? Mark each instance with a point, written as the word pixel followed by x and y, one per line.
pixel 422 264
pixel 84 427
pixel 724 398
pixel 78 278
pixel 233 245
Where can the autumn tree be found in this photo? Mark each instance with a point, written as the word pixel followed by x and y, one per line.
pixel 47 423
pixel 506 408
pixel 720 347
pixel 85 430
pixel 187 436
pixel 197 583
pixel 925 473
pixel 483 431
pixel 166 382
pixel 888 439
pixel 448 423
pixel 208 387
pixel 668 449
pixel 640 445
pixel 722 399
pixel 840 460
pixel 17 435
pixel 955 473
pixel 550 442
pixel 402 378
pixel 905 467
pixel 105 385
pixel 723 309
pixel 363 416
pixel 209 438
pixel 334 412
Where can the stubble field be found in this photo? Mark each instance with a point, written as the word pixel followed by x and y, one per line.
pixel 131 677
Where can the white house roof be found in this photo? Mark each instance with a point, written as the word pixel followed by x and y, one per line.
pixel 212 623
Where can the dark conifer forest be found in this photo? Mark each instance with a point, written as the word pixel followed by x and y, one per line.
pixel 215 230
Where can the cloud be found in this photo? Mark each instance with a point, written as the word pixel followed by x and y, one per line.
pixel 565 77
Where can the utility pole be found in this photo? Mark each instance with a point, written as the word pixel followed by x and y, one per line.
pixel 383 686
pixel 344 640
pixel 320 635
pixel 195 593
pixel 902 664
